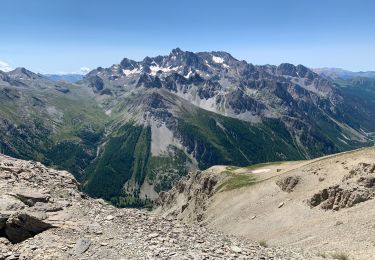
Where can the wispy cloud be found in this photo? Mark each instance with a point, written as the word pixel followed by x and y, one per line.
pixel 85 70
pixel 82 71
pixel 5 66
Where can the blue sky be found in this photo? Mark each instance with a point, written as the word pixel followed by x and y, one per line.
pixel 63 36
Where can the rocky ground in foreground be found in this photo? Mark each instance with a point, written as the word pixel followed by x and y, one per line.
pixel 324 206
pixel 44 216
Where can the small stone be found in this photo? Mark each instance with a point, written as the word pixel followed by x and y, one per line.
pixel 110 217
pixel 82 245
pixel 235 249
pixel 280 205
pixel 338 223
pixel 219 251
pixel 153 235
pixel 253 217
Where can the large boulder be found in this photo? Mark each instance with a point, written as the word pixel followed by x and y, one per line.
pixel 288 184
pixel 10 203
pixel 25 224
pixel 30 197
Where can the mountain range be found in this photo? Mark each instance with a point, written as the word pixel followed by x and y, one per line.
pixel 70 77
pixel 132 130
pixel 336 73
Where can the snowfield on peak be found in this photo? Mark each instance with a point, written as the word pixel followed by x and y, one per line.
pixel 217 59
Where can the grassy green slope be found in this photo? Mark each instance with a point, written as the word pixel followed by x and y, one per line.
pixel 210 138
pixel 61 130
pixel 216 139
pixel 106 176
pixel 360 94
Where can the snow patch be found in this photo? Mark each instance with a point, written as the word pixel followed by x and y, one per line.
pixel 261 171
pixel 217 59
pixel 189 74
pixel 156 68
pixel 131 72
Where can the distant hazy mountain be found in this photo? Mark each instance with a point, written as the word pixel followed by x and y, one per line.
pixel 335 73
pixel 72 78
pixel 135 128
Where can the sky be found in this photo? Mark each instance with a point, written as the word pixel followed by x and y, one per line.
pixel 65 36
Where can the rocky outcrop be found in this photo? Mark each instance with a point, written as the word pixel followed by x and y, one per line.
pixel 44 216
pixel 23 225
pixel 287 184
pixel 188 199
pixel 356 187
pixel 30 197
pixel 29 193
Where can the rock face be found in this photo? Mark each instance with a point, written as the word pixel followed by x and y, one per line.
pixel 44 216
pixel 356 187
pixel 23 225
pixel 188 199
pixel 30 197
pixel 25 198
pixel 287 184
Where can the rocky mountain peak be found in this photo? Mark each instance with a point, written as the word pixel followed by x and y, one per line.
pixel 22 73
pixel 299 71
pixel 128 64
pixel 287 69
pixel 177 51
pixel 3 76
pixel 156 119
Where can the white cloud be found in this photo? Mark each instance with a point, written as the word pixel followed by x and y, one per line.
pixel 85 70
pixel 5 66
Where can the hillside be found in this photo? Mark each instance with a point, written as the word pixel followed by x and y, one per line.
pixel 132 130
pixel 44 216
pixel 208 108
pixel 321 205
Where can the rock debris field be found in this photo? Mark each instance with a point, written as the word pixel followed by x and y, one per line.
pixel 44 216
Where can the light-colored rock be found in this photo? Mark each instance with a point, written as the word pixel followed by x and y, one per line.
pixel 153 235
pixel 109 217
pixel 9 203
pixel 30 196
pixel 235 249
pixel 69 225
pixel 25 224
pixel 82 245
